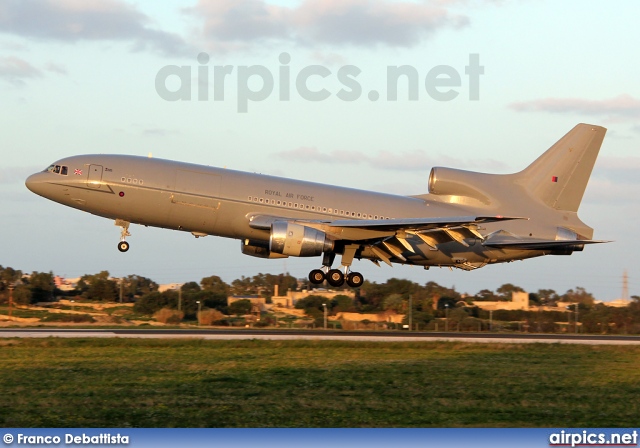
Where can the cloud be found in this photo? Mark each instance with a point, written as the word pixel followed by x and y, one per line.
pixel 621 108
pixel 621 170
pixel 82 20
pixel 16 70
pixel 158 132
pixel 239 23
pixel 55 68
pixel 17 174
pixel 388 160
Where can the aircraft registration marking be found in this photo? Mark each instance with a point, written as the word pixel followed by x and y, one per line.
pixel 300 197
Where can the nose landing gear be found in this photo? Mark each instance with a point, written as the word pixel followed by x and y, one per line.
pixel 123 246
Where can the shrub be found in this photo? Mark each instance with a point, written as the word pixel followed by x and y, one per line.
pixel 208 317
pixel 63 317
pixel 169 316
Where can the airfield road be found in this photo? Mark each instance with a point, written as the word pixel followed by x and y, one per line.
pixel 320 335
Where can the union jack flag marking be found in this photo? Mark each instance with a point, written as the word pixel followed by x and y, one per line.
pixel 78 172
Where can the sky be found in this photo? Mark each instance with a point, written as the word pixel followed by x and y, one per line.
pixel 140 77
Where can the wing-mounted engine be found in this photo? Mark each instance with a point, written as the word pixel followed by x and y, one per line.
pixel 259 249
pixel 296 240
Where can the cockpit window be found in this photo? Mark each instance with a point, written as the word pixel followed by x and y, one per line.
pixel 58 169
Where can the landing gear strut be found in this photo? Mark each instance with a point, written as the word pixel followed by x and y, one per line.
pixel 123 246
pixel 335 277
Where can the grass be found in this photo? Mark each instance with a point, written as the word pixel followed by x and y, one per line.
pixel 255 383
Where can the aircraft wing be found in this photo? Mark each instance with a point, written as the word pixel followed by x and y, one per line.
pixel 384 225
pixel 390 238
pixel 537 244
pixel 417 224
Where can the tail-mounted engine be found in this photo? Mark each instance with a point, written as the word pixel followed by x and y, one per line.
pixel 297 240
pixel 452 182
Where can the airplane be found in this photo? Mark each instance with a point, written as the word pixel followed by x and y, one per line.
pixel 467 220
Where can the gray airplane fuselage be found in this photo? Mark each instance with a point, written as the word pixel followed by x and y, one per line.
pixel 205 200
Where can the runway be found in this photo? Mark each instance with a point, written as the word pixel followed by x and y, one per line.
pixel 371 336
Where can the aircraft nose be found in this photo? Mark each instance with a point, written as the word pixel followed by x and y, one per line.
pixel 34 183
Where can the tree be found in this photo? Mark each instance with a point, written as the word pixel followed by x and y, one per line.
pixel 579 295
pixel 209 299
pixel 240 307
pixel 242 286
pixel 394 302
pixel 216 285
pixel 190 287
pixel 485 295
pixel 505 292
pixel 41 286
pixel 342 304
pixel 155 301
pixel 547 297
pixel 98 287
pixel 136 286
pixel 8 276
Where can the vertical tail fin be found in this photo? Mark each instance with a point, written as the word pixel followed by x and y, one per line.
pixel 560 175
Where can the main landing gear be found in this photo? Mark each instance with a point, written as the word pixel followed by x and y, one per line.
pixel 335 277
pixel 123 246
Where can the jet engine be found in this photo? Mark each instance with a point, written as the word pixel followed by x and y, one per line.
pixel 449 181
pixel 288 238
pixel 258 250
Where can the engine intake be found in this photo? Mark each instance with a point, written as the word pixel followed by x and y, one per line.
pixel 258 249
pixel 449 181
pixel 297 240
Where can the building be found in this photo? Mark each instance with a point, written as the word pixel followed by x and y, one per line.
pixel 519 301
pixel 292 297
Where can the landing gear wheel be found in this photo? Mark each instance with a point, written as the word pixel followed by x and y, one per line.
pixel 335 278
pixel 316 276
pixel 123 246
pixel 355 279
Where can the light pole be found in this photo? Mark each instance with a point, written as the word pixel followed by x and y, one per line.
pixel 11 288
pixel 490 320
pixel 410 312
pixel 324 305
pixel 576 317
pixel 446 321
pixel 199 310
pixel 180 298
